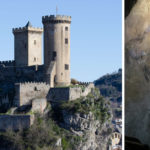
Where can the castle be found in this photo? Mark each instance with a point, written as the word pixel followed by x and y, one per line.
pixel 28 48
pixel 25 80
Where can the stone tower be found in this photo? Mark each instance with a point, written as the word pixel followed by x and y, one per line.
pixel 57 49
pixel 28 45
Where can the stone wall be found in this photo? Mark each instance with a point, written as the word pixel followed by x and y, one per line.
pixel 7 63
pixel 58 94
pixel 69 93
pixel 21 74
pixel 38 105
pixel 78 92
pixel 15 122
pixel 9 75
pixel 26 92
pixel 4 100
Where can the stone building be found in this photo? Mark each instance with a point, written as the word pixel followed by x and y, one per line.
pixel 57 49
pixel 28 45
pixel 25 81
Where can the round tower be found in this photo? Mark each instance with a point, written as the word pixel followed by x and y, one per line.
pixel 57 49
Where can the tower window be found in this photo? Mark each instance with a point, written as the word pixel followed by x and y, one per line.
pixel 34 59
pixel 54 55
pixel 35 88
pixel 66 28
pixel 66 67
pixel 66 41
pixel 34 42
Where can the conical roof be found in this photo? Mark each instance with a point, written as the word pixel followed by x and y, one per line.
pixel 28 24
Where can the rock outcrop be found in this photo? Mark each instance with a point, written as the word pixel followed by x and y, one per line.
pixel 95 131
pixel 96 134
pixel 137 73
pixel 82 124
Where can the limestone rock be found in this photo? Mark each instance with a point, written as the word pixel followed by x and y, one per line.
pixel 94 132
pixel 137 39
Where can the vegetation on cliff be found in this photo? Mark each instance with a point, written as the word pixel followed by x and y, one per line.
pixel 110 86
pixel 49 129
pixel 99 106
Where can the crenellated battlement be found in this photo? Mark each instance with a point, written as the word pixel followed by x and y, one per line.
pixel 56 19
pixel 27 91
pixel 85 83
pixel 33 84
pixel 23 29
pixel 7 63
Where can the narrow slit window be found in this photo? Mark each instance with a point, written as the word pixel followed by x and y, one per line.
pixel 34 42
pixel 54 55
pixel 66 28
pixel 66 41
pixel 66 67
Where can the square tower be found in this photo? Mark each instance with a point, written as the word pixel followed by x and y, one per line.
pixel 28 45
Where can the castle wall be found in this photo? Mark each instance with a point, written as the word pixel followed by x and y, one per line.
pixel 26 92
pixel 10 75
pixel 80 91
pixel 4 100
pixel 7 63
pixel 21 74
pixel 69 93
pixel 15 122
pixel 51 74
pixel 39 105
pixel 58 94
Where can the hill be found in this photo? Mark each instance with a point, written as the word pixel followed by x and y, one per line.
pixel 110 86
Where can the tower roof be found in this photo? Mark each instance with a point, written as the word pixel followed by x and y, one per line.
pixel 28 24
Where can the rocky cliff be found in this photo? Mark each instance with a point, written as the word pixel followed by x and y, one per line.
pixel 83 124
pixel 137 73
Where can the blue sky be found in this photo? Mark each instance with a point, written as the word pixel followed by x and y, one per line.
pixel 95 31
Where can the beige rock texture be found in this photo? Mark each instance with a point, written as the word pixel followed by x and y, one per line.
pixel 137 72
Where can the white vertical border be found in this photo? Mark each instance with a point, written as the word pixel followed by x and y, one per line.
pixel 123 74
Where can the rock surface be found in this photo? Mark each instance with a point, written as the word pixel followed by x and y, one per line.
pixel 137 53
pixel 95 133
